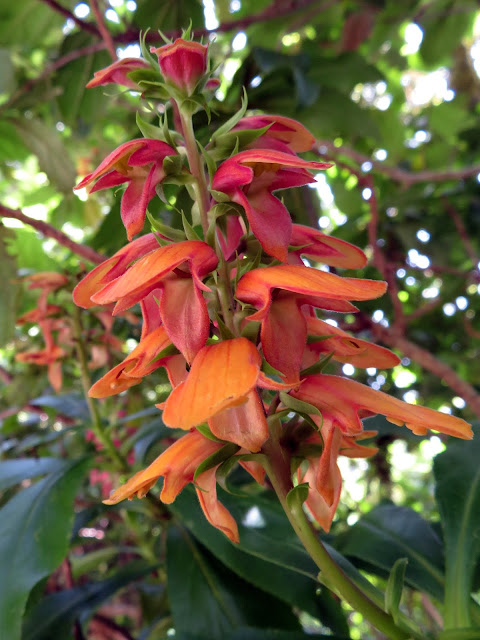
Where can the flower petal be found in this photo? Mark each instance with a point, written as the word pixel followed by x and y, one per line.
pixel 244 425
pixel 221 377
pixel 216 514
pixel 177 465
pixel 347 348
pixel 256 286
pixel 326 249
pixel 341 400
pixel 111 269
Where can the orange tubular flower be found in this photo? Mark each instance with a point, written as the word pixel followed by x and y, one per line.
pixel 323 474
pixel 250 177
pixel 140 163
pixel 284 326
pixel 320 247
pixel 283 134
pixel 47 281
pixel 50 356
pixel 220 388
pixel 111 269
pixel 177 465
pixel 117 73
pixel 176 271
pixel 344 402
pixel 182 63
pixel 345 348
pixel 142 361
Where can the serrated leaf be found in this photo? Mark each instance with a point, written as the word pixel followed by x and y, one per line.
pixel 35 527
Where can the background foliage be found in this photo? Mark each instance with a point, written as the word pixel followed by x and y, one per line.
pixel 392 91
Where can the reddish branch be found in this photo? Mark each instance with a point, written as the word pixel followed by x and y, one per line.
pixel 462 232
pixel 50 232
pixel 105 33
pixel 85 26
pixel 406 178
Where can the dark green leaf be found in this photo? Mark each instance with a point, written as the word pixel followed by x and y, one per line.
pixel 388 533
pixel 206 598
pixel 457 475
pixel 9 289
pixel 14 471
pixel 34 530
pixel 269 554
pixel 54 616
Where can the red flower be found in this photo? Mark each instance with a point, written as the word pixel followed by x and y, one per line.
pixel 250 177
pixel 280 292
pixel 176 272
pixel 141 362
pixel 177 465
pixel 220 388
pixel 140 163
pixel 182 63
pixel 321 247
pixel 283 134
pixel 117 73
pixel 344 402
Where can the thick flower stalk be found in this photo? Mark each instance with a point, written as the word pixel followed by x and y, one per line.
pixel 231 310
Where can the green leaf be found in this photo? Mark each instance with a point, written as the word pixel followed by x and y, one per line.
pixel 216 458
pixel 394 589
pixel 72 405
pixel 27 247
pixel 35 527
pixel 14 471
pixel 388 533
pixel 297 496
pixel 457 476
pixel 9 290
pixel 53 617
pixel 76 103
pixel 206 598
pixel 234 120
pixel 269 554
pixel 298 405
pixel 53 157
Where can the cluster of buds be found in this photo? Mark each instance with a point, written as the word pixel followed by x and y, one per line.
pixel 229 307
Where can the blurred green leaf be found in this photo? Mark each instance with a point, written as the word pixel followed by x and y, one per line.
pixel 457 491
pixel 35 527
pixel 14 471
pixel 54 616
pixel 9 289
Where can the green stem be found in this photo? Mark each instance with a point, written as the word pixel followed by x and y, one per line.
pixel 100 433
pixel 197 170
pixel 278 470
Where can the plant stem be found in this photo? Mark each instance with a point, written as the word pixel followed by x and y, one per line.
pixel 277 467
pixel 102 436
pixel 195 162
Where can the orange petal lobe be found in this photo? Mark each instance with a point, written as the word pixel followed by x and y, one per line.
pixel 221 377
pixel 214 511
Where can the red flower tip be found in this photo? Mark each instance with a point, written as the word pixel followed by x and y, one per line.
pixel 182 63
